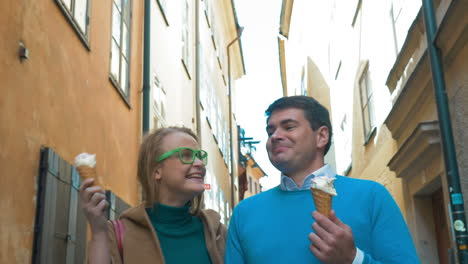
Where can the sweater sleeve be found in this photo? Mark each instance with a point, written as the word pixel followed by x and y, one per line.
pixel 234 253
pixel 391 239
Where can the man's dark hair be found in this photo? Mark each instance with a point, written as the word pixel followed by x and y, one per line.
pixel 314 112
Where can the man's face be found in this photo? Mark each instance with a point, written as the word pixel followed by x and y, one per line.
pixel 292 144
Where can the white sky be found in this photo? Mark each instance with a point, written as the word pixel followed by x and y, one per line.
pixel 262 83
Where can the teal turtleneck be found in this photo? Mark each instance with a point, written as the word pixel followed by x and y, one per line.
pixel 180 234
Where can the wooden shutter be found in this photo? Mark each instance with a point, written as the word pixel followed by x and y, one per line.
pixel 116 205
pixel 60 227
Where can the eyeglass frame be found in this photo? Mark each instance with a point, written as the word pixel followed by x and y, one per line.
pixel 195 153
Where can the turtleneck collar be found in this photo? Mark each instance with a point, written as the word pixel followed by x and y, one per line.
pixel 165 214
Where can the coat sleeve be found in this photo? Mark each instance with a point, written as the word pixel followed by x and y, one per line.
pixel 221 235
pixel 234 252
pixel 391 239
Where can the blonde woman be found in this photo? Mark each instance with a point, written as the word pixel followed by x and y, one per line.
pixel 169 227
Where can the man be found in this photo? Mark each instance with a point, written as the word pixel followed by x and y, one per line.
pixel 276 226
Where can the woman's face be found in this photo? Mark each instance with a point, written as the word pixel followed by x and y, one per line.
pixel 179 182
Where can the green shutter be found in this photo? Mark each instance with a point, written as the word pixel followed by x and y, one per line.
pixel 60 227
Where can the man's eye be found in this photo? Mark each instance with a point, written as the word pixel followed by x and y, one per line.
pixel 290 127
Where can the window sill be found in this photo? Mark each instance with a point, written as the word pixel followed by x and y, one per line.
pixel 116 85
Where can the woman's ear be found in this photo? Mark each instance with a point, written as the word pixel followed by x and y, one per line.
pixel 157 174
pixel 323 136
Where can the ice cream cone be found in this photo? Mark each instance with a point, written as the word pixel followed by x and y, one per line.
pixel 86 165
pixel 322 200
pixel 87 172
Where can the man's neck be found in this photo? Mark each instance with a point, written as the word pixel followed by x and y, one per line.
pixel 299 176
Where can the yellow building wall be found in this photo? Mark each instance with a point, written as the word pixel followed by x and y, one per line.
pixel 61 97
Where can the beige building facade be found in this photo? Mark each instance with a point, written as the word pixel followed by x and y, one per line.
pixel 74 81
pixel 373 61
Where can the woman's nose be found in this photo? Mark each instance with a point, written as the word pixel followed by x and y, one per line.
pixel 198 162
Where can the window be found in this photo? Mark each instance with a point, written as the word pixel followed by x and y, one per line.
pixel 256 188
pixel 163 7
pixel 402 13
pixel 120 46
pixel 60 224
pixel 77 13
pixel 367 105
pixel 303 84
pixel 116 205
pixel 158 103
pixel 186 54
pixel 250 184
pixel 357 4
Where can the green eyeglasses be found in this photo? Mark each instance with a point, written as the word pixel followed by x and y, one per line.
pixel 186 155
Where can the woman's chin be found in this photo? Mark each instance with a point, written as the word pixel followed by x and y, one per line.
pixel 197 188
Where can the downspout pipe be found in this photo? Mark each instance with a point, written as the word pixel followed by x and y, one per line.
pixel 450 158
pixel 197 71
pixel 239 33
pixel 146 67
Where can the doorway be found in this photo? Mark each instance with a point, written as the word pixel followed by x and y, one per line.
pixel 440 226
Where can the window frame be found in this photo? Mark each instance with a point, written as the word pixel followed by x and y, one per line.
pixel 367 107
pixel 185 35
pixel 68 13
pixel 117 82
pixel 162 4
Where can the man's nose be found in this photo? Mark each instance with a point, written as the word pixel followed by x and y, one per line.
pixel 276 135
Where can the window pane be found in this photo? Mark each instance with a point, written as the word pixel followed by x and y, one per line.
pixel 125 40
pixel 371 112
pixel 126 11
pixel 67 3
pixel 118 4
pixel 80 14
pixel 116 24
pixel 365 116
pixel 368 86
pixel 362 90
pixel 123 76
pixel 115 55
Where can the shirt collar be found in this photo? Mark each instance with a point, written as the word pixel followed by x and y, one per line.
pixel 287 184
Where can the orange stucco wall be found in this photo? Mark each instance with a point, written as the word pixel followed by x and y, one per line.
pixel 61 97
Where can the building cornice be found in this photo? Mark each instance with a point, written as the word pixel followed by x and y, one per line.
pixel 421 147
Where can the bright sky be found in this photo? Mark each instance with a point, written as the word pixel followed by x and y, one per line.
pixel 262 83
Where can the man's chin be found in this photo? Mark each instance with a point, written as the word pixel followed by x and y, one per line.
pixel 280 164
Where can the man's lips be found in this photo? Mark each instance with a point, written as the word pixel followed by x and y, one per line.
pixel 278 149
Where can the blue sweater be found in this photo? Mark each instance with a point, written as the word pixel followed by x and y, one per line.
pixel 273 226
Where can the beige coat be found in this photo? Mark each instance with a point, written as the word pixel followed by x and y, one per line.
pixel 141 243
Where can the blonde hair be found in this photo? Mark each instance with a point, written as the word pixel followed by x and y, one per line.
pixel 150 150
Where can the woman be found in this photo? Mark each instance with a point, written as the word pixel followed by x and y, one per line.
pixel 169 227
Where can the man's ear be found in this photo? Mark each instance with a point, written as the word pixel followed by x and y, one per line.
pixel 323 136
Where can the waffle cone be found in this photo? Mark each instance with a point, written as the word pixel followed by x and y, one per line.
pixel 322 200
pixel 88 173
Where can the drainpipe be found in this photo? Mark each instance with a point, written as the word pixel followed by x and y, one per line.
pixel 448 146
pixel 146 67
pixel 197 71
pixel 239 33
